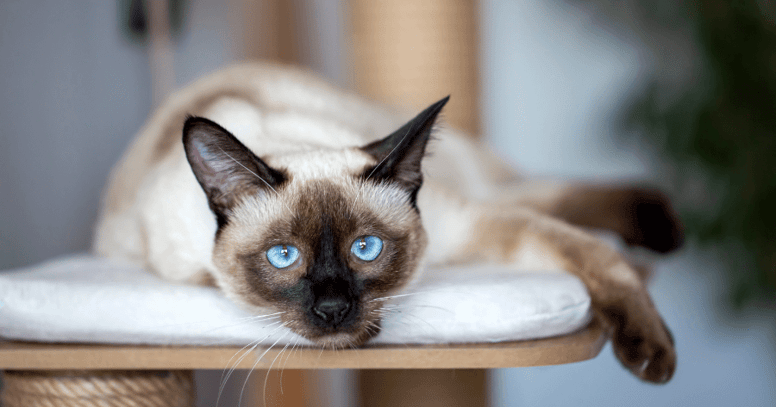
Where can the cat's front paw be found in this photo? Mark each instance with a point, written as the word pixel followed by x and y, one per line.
pixel 642 343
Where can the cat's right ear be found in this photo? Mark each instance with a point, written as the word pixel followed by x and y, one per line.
pixel 225 169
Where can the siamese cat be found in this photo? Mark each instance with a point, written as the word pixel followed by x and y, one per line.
pixel 294 196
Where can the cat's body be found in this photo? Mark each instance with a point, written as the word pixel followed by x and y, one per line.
pixel 325 182
pixel 271 110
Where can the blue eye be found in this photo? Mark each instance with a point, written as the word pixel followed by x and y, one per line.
pixel 367 248
pixel 282 256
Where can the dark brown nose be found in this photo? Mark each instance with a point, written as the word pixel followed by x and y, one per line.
pixel 332 311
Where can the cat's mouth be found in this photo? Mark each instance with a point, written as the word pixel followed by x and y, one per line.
pixel 352 330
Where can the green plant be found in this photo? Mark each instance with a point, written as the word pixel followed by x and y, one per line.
pixel 717 132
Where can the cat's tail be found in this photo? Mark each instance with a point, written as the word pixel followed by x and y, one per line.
pixel 641 216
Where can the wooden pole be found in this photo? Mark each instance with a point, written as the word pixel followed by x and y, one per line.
pixel 423 387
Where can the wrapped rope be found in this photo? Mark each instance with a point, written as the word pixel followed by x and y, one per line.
pixel 97 388
pixel 411 53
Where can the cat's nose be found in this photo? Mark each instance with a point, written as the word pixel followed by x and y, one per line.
pixel 332 311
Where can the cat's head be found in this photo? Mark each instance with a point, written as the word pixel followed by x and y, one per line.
pixel 320 236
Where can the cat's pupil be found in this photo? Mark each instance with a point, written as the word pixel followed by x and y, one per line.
pixel 284 251
pixel 362 244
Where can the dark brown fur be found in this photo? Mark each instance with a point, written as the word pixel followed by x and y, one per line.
pixel 322 204
pixel 642 216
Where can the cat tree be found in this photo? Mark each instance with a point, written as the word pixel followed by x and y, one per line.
pixel 405 52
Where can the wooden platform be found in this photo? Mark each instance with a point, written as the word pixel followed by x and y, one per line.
pixel 582 345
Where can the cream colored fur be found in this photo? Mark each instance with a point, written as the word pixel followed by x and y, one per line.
pixel 156 214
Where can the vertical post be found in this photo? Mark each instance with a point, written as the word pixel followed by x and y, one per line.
pixel 428 388
pixel 161 51
pixel 164 388
pixel 411 53
pixel 269 30
pixel 414 52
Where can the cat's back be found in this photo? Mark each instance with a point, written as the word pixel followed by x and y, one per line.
pixel 153 210
pixel 269 107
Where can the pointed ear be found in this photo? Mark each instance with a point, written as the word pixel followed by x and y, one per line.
pixel 398 156
pixel 225 168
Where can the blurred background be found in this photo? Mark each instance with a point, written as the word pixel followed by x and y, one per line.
pixel 677 94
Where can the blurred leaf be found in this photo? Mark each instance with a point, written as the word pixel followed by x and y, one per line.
pixel 718 133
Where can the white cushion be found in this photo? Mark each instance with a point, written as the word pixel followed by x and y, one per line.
pixel 89 299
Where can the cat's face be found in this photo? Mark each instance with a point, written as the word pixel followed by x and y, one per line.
pixel 320 236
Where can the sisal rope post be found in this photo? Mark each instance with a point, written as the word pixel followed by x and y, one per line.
pixel 98 388
pixel 411 53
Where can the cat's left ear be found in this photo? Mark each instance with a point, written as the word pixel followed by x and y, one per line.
pixel 399 155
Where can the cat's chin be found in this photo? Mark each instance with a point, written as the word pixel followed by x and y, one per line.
pixel 338 341
pixel 341 340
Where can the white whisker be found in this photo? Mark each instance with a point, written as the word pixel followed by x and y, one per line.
pixel 407 307
pixel 186 324
pixel 421 320
pixel 290 353
pixel 267 315
pixel 245 322
pixel 322 349
pixel 237 363
pixel 239 403
pixel 225 380
pixel 266 376
pixel 352 345
pixel 399 295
